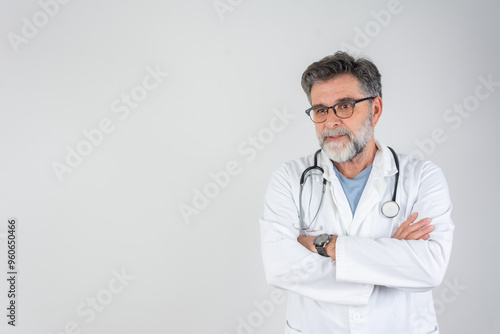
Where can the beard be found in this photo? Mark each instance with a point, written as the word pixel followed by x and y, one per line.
pixel 345 152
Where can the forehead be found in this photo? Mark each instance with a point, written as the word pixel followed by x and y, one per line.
pixel 330 91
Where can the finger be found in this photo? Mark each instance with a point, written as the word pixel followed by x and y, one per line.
pixel 425 237
pixel 414 227
pixel 419 225
pixel 420 234
pixel 410 219
pixel 400 233
pixel 402 227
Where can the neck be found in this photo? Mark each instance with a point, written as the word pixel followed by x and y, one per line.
pixel 352 168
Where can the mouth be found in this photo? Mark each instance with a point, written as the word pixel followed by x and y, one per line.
pixel 334 138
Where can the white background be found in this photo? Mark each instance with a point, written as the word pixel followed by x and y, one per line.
pixel 228 74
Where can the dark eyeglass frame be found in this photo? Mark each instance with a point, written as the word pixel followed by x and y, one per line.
pixel 353 104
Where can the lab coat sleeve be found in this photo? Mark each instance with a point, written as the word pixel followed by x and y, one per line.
pixel 288 264
pixel 412 265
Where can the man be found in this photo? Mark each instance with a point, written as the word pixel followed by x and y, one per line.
pixel 356 264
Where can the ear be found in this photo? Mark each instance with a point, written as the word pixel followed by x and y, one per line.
pixel 376 109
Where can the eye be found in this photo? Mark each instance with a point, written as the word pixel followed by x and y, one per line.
pixel 320 111
pixel 344 106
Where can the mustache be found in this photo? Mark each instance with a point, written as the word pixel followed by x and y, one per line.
pixel 335 132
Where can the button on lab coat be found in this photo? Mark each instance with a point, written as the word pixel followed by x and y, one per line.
pixel 377 284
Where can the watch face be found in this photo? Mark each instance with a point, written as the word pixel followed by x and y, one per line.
pixel 321 239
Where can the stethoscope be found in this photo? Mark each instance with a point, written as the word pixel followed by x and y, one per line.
pixel 389 209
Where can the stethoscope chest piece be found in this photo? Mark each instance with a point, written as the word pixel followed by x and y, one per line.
pixel 390 209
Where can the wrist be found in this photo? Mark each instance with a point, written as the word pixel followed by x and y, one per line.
pixel 331 247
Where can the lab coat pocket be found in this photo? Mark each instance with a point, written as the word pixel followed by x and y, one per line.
pixel 290 330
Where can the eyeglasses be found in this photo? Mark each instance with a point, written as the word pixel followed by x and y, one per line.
pixel 343 109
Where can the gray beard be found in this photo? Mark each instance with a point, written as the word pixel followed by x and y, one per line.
pixel 340 152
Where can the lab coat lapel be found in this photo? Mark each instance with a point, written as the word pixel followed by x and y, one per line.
pixel 371 197
pixel 340 203
pixel 383 166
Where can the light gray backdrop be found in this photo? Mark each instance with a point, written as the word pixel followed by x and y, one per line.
pixel 138 137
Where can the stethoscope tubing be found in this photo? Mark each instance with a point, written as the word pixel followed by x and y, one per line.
pixel 396 161
pixel 390 209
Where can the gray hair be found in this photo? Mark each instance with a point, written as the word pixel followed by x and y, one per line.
pixel 342 63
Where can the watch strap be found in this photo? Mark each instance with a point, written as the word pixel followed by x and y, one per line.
pixel 321 250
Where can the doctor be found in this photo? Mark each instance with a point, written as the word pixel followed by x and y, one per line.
pixel 350 268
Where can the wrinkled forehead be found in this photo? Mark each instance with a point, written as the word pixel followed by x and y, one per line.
pixel 336 89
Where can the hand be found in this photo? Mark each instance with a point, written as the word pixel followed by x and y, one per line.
pixel 414 231
pixel 307 242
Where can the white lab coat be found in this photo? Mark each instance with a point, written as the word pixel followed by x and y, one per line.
pixel 377 284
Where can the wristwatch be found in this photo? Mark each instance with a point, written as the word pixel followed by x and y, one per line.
pixel 320 243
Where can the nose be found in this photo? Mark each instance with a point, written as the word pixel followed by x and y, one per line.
pixel 332 119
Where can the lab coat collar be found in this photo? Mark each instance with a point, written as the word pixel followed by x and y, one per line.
pixel 383 164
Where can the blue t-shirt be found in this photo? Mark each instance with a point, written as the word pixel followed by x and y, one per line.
pixel 353 188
